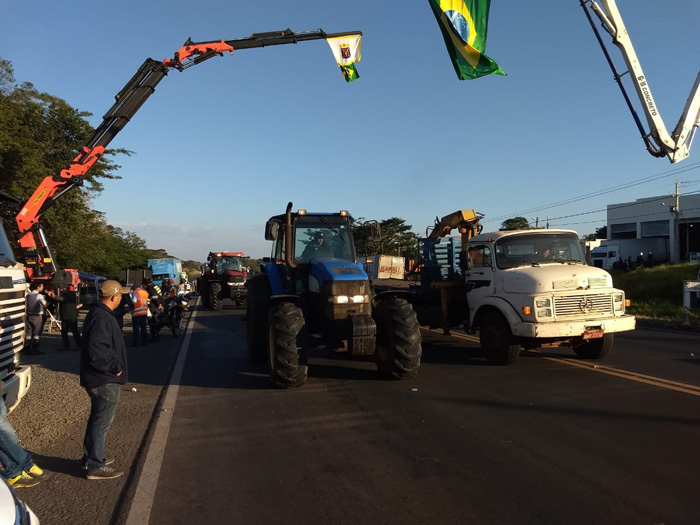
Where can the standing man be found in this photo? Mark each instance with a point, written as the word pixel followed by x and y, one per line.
pixel 103 370
pixel 154 305
pixel 139 315
pixel 68 310
pixel 36 309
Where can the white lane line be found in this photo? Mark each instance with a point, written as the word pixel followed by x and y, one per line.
pixel 142 503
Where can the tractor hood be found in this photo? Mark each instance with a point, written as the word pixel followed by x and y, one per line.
pixel 554 277
pixel 336 270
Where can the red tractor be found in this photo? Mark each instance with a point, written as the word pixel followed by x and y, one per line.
pixel 223 277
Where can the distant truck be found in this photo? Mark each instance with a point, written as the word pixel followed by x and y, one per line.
pixel 611 251
pixel 383 266
pixel 166 268
pixel 14 377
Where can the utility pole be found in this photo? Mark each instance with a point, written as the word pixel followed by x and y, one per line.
pixel 676 210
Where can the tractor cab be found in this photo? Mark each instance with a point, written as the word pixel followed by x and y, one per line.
pixel 311 293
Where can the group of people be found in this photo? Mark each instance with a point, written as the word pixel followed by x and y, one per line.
pixel 148 300
pixel 103 367
pixel 628 264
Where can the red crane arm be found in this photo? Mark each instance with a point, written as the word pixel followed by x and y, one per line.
pixel 39 260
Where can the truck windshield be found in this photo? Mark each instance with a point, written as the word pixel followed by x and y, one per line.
pixel 6 254
pixel 320 237
pixel 228 263
pixel 538 248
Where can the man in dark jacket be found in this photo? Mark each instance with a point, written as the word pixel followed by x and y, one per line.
pixel 103 370
pixel 68 311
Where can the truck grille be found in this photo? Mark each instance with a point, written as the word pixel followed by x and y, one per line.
pixel 583 305
pixel 11 328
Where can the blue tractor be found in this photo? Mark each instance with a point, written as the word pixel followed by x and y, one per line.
pixel 312 294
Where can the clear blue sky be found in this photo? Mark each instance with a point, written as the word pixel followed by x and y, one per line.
pixel 224 145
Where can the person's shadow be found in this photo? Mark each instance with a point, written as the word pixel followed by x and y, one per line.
pixel 70 467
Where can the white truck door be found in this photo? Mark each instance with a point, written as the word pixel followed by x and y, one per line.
pixel 480 276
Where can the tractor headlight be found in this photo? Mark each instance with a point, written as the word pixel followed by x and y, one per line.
pixel 348 299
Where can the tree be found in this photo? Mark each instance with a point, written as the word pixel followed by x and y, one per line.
pixel 515 223
pixel 396 238
pixel 39 135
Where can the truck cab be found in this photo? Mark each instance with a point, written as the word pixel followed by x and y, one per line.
pixel 531 287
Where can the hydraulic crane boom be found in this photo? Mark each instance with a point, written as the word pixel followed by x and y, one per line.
pixel 658 141
pixel 39 260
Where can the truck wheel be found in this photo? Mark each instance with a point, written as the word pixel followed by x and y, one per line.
pixel 215 296
pixel 256 317
pixel 497 341
pixel 284 331
pixel 594 348
pixel 398 350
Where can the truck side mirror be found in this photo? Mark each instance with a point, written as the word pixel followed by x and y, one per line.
pixel 271 230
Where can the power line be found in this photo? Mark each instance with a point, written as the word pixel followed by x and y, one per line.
pixel 598 193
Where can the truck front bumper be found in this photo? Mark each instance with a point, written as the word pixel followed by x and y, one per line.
pixel 16 385
pixel 570 329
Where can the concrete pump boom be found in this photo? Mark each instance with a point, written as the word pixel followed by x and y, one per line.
pixel 658 141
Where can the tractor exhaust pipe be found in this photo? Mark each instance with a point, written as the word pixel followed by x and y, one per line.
pixel 288 257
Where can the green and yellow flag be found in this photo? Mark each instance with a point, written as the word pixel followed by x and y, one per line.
pixel 347 51
pixel 464 24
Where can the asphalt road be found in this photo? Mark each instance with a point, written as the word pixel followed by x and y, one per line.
pixel 551 439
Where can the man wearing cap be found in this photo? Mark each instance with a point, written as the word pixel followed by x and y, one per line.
pixel 317 248
pixel 103 370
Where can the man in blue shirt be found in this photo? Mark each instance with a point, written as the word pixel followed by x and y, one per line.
pixel 103 369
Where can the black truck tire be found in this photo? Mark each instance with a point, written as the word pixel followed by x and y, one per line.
pixel 398 349
pixel 256 316
pixel 215 295
pixel 285 325
pixel 594 348
pixel 497 341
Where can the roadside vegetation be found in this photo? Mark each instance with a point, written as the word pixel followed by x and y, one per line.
pixel 657 293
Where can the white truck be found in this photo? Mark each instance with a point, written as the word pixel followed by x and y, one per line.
pixel 531 287
pixel 14 377
pixel 611 252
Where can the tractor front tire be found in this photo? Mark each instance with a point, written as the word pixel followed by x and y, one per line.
pixel 398 350
pixel 285 324
pixel 594 348
pixel 215 295
pixel 497 340
pixel 257 307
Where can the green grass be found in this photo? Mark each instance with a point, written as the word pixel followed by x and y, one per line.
pixel 657 293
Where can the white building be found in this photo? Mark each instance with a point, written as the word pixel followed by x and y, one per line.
pixel 658 218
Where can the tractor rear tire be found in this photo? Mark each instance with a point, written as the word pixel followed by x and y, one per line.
pixel 215 295
pixel 257 307
pixel 398 350
pixel 285 327
pixel 594 348
pixel 497 341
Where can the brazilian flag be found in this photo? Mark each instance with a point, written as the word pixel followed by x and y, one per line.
pixel 464 24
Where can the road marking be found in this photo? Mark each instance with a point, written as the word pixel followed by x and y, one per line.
pixel 627 374
pixel 142 503
pixel 602 369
